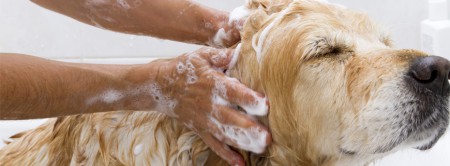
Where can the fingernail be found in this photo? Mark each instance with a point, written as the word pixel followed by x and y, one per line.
pixel 238 161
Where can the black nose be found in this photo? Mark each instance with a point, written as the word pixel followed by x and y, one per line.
pixel 431 72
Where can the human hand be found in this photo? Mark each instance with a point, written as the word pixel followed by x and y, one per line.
pixel 229 29
pixel 193 89
pixel 227 34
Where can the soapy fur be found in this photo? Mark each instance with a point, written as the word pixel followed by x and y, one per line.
pixel 258 42
pixel 238 14
pixel 236 54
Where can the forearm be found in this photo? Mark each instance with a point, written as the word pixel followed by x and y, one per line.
pixel 180 20
pixel 32 87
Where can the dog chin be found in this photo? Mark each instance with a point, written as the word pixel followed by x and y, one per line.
pixel 422 137
pixel 427 122
pixel 429 142
pixel 422 141
pixel 428 137
pixel 431 132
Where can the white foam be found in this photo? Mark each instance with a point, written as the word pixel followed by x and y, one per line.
pixel 191 76
pixel 216 99
pixel 219 38
pixel 259 108
pixel 218 91
pixel 239 13
pixel 252 139
pixel 235 57
pixel 123 4
pixel 138 149
pixel 219 88
pixel 163 103
pixel 263 35
pixel 219 56
pixel 180 68
pixel 111 96
pixel 209 25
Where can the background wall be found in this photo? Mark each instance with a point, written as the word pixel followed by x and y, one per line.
pixel 402 17
pixel 29 29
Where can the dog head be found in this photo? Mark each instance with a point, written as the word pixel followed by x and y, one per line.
pixel 340 94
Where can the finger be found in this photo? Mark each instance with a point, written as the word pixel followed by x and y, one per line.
pixel 239 24
pixel 239 130
pixel 230 116
pixel 233 91
pixel 222 150
pixel 219 58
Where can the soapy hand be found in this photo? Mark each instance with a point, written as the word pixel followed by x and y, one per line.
pixel 227 34
pixel 193 89
pixel 229 27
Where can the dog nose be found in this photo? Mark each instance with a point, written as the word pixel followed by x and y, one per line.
pixel 432 72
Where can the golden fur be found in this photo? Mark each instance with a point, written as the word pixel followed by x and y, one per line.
pixel 320 65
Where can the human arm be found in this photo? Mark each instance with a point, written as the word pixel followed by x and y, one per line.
pixel 33 87
pixel 190 88
pixel 179 20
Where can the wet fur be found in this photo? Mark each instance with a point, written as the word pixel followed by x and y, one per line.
pixel 322 65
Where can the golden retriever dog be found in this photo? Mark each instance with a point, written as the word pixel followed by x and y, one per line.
pixel 340 94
